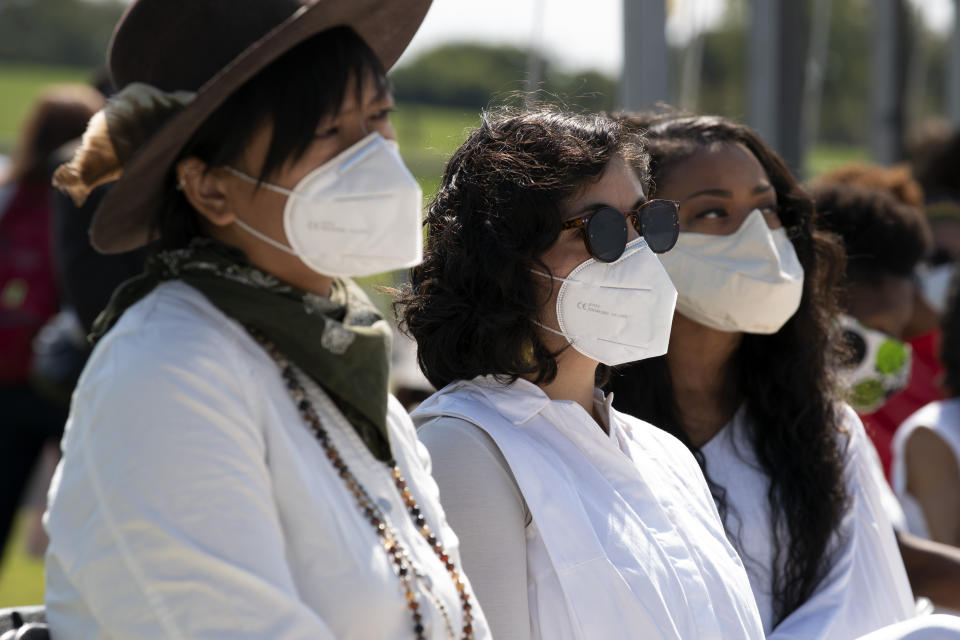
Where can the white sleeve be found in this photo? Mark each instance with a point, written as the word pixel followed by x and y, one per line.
pixel 162 515
pixel 486 510
pixel 934 627
pixel 867 586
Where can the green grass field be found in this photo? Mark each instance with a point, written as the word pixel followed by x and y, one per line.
pixel 21 576
pixel 428 135
pixel 20 85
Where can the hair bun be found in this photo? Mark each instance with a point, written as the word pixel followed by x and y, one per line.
pixel 115 134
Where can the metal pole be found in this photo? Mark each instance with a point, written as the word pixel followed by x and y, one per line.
pixel 953 68
pixel 790 79
pixel 887 100
pixel 816 66
pixel 762 68
pixel 916 53
pixel 692 66
pixel 776 73
pixel 645 55
pixel 534 53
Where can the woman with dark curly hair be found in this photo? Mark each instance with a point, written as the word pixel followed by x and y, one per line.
pixel 575 521
pixel 746 384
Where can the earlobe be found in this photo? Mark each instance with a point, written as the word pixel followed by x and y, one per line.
pixel 206 191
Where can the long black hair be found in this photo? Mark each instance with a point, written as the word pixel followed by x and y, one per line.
pixel 783 379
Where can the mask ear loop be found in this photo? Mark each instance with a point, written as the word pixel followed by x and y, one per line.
pixel 540 324
pixel 257 183
pixel 543 326
pixel 262 236
pixel 552 277
pixel 246 227
pixel 255 233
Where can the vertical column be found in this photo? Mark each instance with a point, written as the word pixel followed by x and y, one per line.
pixel 953 69
pixel 819 43
pixel 535 52
pixel 776 71
pixel 646 59
pixel 886 103
pixel 763 66
pixel 792 29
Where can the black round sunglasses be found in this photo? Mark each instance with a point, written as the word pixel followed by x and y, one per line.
pixel 605 228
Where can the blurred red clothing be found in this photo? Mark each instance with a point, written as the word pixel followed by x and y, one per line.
pixel 925 386
pixel 28 290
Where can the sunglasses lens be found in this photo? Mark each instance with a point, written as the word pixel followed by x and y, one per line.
pixel 607 234
pixel 659 225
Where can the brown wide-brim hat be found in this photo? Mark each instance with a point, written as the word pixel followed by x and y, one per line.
pixel 191 55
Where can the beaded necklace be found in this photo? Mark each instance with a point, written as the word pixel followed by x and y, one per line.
pixel 400 558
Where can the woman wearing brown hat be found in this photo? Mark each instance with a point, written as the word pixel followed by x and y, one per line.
pixel 233 465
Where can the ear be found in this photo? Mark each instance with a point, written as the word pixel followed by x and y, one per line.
pixel 206 190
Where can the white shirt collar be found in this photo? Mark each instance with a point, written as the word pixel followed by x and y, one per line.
pixel 521 400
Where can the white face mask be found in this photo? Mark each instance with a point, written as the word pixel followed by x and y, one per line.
pixel 617 312
pixel 355 215
pixel 750 280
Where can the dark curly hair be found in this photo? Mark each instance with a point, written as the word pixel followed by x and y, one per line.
pixel 936 169
pixel 471 303
pixel 897 180
pixel 783 379
pixel 882 235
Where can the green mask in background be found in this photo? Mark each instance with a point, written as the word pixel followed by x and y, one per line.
pixel 878 367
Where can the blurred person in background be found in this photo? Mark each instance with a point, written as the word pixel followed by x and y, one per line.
pixel 889 247
pixel 85 276
pixel 747 384
pixel 884 239
pixel 85 280
pixel 29 295
pixel 926 449
pixel 935 158
pixel 233 465
pixel 576 521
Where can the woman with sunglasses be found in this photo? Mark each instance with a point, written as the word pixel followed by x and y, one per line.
pixel 234 466
pixel 746 384
pixel 575 521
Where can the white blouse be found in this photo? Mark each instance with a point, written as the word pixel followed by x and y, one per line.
pixel 943 417
pixel 570 532
pixel 193 502
pixel 866 587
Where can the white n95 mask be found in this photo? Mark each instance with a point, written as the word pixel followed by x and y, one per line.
pixel 750 280
pixel 617 312
pixel 355 215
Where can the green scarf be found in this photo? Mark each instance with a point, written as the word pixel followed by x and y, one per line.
pixel 341 342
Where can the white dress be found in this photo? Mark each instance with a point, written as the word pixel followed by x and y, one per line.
pixel 193 502
pixel 572 533
pixel 943 417
pixel 866 587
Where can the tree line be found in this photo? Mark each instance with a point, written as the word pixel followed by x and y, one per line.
pixel 475 75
